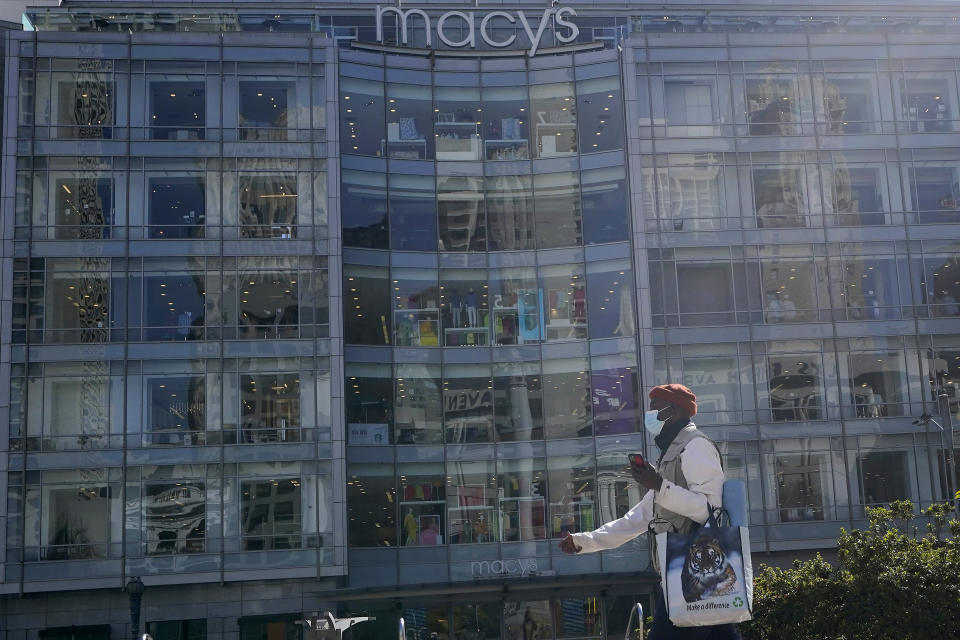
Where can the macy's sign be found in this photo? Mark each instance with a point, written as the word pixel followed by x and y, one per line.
pixel 565 31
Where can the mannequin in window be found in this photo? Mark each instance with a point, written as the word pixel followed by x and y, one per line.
pixel 410 526
pixel 472 302
pixel 456 307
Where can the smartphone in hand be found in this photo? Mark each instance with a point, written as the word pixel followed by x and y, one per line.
pixel 637 460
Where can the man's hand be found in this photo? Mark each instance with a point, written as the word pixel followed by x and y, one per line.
pixel 567 545
pixel 646 476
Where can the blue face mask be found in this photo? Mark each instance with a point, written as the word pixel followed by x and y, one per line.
pixel 652 422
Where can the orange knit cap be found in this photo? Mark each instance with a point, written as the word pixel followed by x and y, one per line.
pixel 677 394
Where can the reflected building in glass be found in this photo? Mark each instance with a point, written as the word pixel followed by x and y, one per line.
pixel 337 308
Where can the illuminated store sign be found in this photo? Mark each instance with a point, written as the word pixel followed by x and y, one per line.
pixel 564 30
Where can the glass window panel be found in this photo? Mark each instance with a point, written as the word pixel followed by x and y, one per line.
pixel 518 401
pixel 83 103
pixel 83 207
pixel 717 381
pixel 77 305
pixel 567 399
pixel 940 285
pixel 517 306
pixel 779 197
pixel 418 404
pixel 468 403
pixel 605 212
pixel 461 213
pixel 368 403
pixel 565 302
pixel 789 290
pixel 599 104
pixel 577 618
pixel 362 124
pixel 610 307
pixel 270 407
pixel 367 303
pixel 174 517
pixel 177 207
pixel 472 507
pixel 935 191
pixel 413 213
pixel 457 123
pixel 174 306
pixel 268 304
pixel 409 116
pixel 705 293
pixel 280 629
pixel 68 516
pixel 477 621
pixel 528 619
pixel 506 129
pixel 178 629
pixel 270 514
pixel 76 409
pixel 522 495
pixel 268 109
pixel 176 409
pixel 690 192
pixel 801 481
pixel 365 196
pixel 691 105
pixel 878 383
pixel 371 515
pixel 885 477
pixel 177 109
pixel 559 218
pixel 555 119
pixel 871 288
pixel 422 500
pixel 848 103
pixel 617 406
pixel 773 105
pixel 928 102
pixel 416 308
pixel 510 212
pixel 465 307
pixel 796 387
pixel 268 205
pixel 571 490
pixel 857 194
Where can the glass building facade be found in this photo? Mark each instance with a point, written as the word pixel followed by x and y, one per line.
pixel 307 311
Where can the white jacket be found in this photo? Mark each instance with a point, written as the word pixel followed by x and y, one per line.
pixel 703 472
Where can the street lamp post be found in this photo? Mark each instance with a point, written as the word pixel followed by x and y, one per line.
pixel 950 461
pixel 135 589
pixel 939 370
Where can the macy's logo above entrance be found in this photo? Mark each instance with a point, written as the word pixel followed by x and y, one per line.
pixel 564 30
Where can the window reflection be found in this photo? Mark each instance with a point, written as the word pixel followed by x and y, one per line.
pixel 927 103
pixel 772 105
pixel 457 123
pixel 268 109
pixel 176 410
pixel 270 407
pixel 871 288
pixel 270 514
pixel 610 308
pixel 268 205
pixel 510 212
pixel 418 404
pixel 605 212
pixel 690 105
pixel 600 114
pixel 554 119
pixel 800 484
pixel 409 115
pixel 518 401
pixel 422 499
pixel 789 290
pixel 613 387
pixel 362 124
pixel 717 381
pixel 472 509
pixel 68 516
pixel 796 387
pixel 413 213
pixel 461 213
pixel 885 477
pixel 468 403
pixel 848 103
pixel 416 315
pixel 567 399
pixel 368 403
pixel 368 295
pixel 779 197
pixel 935 191
pixel 177 110
pixel 559 219
pixel 517 306
pixel 77 305
pixel 84 206
pixel 571 480
pixel 857 195
pixel 83 104
pixel 177 207
pixel 174 517
pixel 267 304
pixel 527 619
pixel 506 120
pixel 174 306
pixel 563 288
pixel 940 285
pixel 522 494
pixel 371 514
pixel 878 383
pixel 465 307
pixel 689 190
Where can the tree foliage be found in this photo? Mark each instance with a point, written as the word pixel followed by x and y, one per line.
pixel 892 581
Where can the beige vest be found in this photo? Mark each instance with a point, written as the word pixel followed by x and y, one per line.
pixel 664 520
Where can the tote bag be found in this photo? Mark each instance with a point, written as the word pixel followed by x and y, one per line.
pixel 707 574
